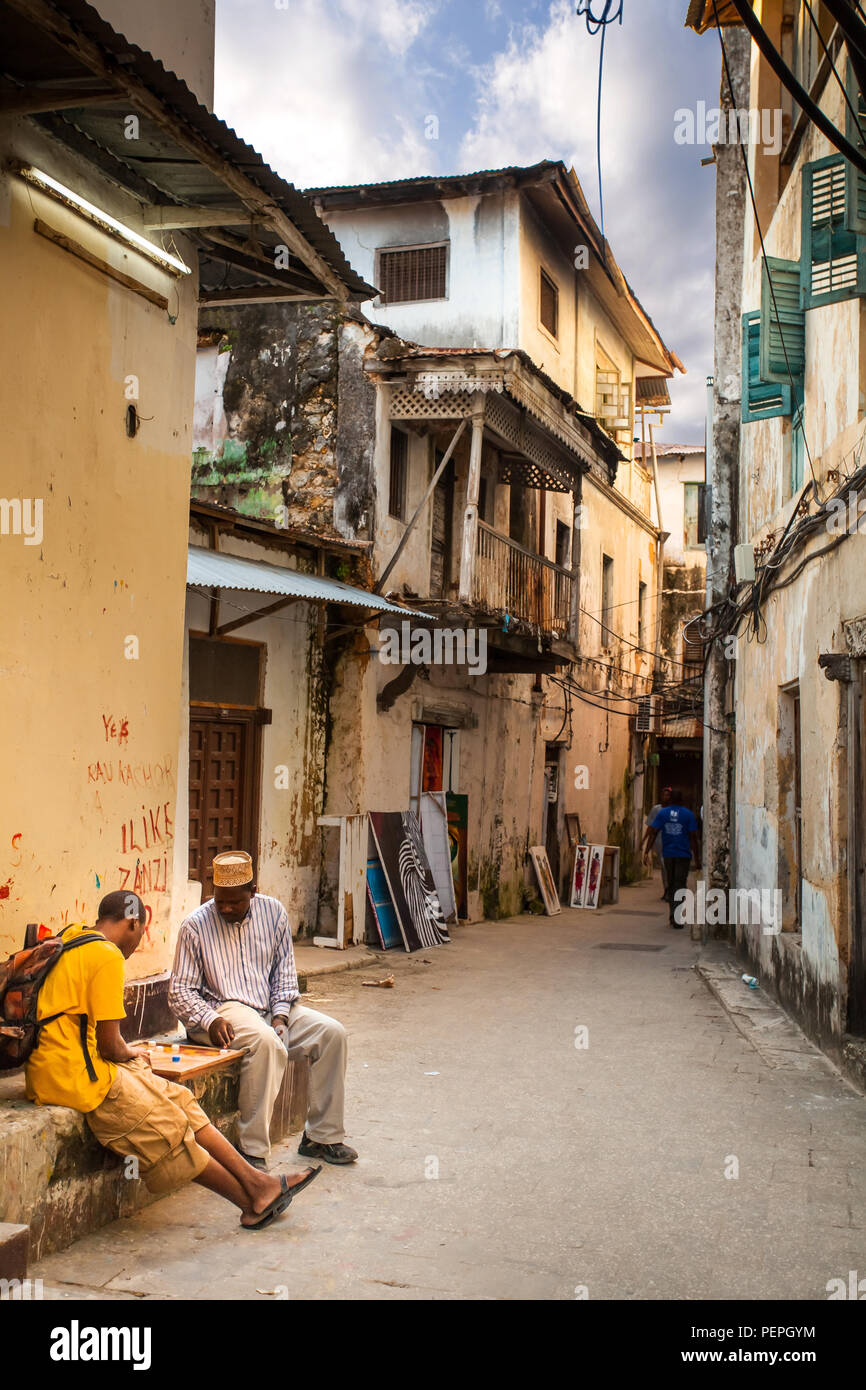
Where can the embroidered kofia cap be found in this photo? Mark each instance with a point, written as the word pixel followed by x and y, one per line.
pixel 234 869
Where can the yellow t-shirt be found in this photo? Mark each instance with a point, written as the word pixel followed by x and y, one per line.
pixel 88 980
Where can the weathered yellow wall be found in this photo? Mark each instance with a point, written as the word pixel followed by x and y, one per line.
pixel 89 739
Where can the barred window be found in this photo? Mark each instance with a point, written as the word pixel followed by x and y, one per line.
pixel 397 481
pixel 411 273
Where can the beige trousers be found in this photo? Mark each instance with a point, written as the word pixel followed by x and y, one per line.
pixel 312 1035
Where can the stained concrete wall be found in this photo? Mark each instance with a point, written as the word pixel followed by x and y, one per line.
pixel 806 966
pixel 91 731
pixel 481 308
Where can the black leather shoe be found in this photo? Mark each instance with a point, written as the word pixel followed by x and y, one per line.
pixel 254 1160
pixel 330 1153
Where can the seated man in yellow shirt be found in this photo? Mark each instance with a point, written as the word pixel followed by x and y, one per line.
pixel 82 1061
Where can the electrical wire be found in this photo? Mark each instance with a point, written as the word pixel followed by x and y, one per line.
pixel 593 25
pixel 828 55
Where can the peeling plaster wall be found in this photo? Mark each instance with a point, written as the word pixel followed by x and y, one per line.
pixel 480 308
pixel 807 968
pixel 266 413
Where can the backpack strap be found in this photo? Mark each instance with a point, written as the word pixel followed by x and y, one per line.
pixel 82 1033
pixel 83 940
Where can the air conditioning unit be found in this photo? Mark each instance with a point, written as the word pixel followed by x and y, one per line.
pixel 650 710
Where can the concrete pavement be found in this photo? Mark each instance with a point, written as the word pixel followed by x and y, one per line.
pixel 507 1154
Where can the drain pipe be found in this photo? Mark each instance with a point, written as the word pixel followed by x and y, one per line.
pixel 663 535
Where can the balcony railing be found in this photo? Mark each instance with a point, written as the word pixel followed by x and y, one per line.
pixel 511 579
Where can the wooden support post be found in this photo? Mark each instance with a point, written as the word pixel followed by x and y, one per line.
pixel 443 464
pixel 470 515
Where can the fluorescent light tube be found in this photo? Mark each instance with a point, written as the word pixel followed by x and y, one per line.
pixel 101 219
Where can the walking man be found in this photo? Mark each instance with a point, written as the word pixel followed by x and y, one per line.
pixel 679 835
pixel 234 983
pixel 657 843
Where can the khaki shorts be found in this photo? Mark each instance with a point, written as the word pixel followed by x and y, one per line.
pixel 155 1121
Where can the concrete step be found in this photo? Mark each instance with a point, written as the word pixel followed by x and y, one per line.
pixel 59 1183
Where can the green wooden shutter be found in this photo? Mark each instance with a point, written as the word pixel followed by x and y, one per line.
pixel 832 259
pixel 761 400
pixel 855 200
pixel 783 322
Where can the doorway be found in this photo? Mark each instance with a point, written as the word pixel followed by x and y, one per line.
pixel 224 751
pixel 441 528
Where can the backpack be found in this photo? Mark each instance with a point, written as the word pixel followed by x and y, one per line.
pixel 21 978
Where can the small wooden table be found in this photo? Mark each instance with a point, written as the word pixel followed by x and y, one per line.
pixel 194 1061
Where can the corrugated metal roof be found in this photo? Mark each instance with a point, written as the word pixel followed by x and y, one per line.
pixel 213 570
pixel 674 450
pixel 154 166
pixel 458 182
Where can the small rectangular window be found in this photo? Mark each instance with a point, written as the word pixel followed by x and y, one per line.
pixel 399 469
pixel 641 615
pixel 408 274
pixel 224 673
pixel 549 312
pixel 563 545
pixel 695 513
pixel 607 610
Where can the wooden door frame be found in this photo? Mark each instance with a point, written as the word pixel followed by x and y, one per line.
pixel 252 792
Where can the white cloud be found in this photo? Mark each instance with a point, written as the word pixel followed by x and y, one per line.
pixel 397 22
pixel 537 99
pixel 312 87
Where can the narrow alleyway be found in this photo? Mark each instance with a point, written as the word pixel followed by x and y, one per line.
pixel 558 1166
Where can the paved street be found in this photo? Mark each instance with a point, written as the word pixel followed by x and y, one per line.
pixel 559 1167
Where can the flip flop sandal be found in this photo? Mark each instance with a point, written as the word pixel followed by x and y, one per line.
pixel 305 1182
pixel 281 1202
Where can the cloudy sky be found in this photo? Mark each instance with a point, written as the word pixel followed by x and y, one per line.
pixel 341 91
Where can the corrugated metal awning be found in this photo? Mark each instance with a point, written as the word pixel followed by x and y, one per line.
pixel 211 570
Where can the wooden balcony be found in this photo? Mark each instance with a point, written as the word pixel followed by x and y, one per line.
pixel 510 579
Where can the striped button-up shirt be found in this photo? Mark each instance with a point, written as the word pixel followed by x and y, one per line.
pixel 251 961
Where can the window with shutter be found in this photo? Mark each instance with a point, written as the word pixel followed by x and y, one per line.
pixel 833 260
pixel 855 193
pixel 762 400
pixel 782 345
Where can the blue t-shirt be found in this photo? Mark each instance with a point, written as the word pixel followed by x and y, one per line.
pixel 676 823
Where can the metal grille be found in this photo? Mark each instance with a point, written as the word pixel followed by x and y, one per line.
pixel 410 274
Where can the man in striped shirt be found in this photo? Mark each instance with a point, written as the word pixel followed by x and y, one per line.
pixel 234 983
